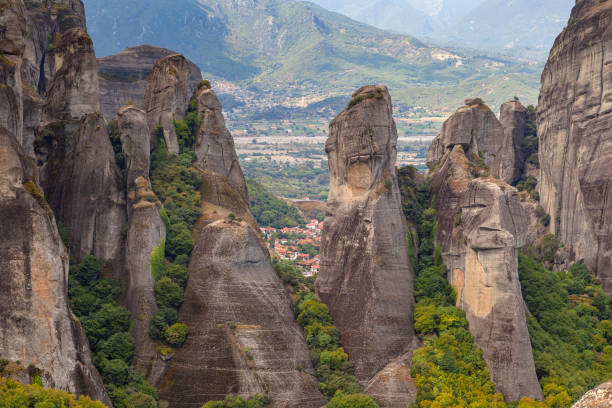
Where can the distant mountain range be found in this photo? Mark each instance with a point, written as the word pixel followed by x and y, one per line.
pixel 415 17
pixel 519 27
pixel 300 53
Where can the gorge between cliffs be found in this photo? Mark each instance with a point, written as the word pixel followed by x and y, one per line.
pixel 134 272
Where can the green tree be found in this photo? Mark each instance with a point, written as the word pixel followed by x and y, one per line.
pixel 119 346
pixel 88 270
pixel 168 293
pixel 342 400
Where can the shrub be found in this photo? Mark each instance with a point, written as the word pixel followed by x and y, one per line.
pixel 342 400
pixel 163 318
pixel 176 334
pixel 179 240
pixel 168 293
pixel 204 83
pixel 15 394
pixel 178 273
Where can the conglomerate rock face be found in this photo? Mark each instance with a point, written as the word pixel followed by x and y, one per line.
pixel 214 145
pixel 79 174
pixel 481 226
pixel 167 96
pixel 146 230
pixel 123 76
pixel 242 335
pixel 600 397
pixel 37 326
pixel 575 141
pixel 366 278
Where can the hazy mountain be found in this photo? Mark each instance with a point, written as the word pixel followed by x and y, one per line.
pixel 415 17
pixel 296 49
pixel 526 27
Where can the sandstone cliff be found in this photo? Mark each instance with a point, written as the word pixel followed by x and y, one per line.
pixel 123 76
pixel 574 122
pixel 214 146
pixel 31 32
pixel 37 326
pixel 146 230
pixel 243 338
pixel 481 226
pixel 79 174
pixel 366 278
pixel 600 397
pixel 167 95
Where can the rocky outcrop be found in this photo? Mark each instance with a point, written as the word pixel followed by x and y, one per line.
pixel 242 335
pixel 79 174
pixel 366 278
pixel 574 121
pixel 123 76
pixel 146 231
pixel 214 145
pixel 513 117
pixel 37 326
pixel 481 226
pixel 166 97
pixel 484 138
pixel 30 34
pixel 600 397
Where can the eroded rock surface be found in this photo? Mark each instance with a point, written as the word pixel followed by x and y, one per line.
pixel 146 230
pixel 574 122
pixel 366 278
pixel 481 226
pixel 37 326
pixel 243 338
pixel 123 76
pixel 167 95
pixel 512 116
pixel 214 145
pixel 600 397
pixel 79 174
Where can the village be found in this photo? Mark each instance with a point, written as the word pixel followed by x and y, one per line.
pixel 298 244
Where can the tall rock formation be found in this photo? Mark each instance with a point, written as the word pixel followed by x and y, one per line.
pixel 30 34
pixel 214 146
pixel 146 231
pixel 37 326
pixel 575 141
pixel 483 137
pixel 366 278
pixel 243 338
pixel 79 174
pixel 123 76
pixel 481 226
pixel 167 96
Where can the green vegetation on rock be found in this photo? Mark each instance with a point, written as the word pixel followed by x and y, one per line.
pixel 95 301
pixel 334 370
pixel 270 211
pixel 14 394
pixel 570 322
pixel 448 369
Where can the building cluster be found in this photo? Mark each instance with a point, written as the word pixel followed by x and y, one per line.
pixel 299 244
